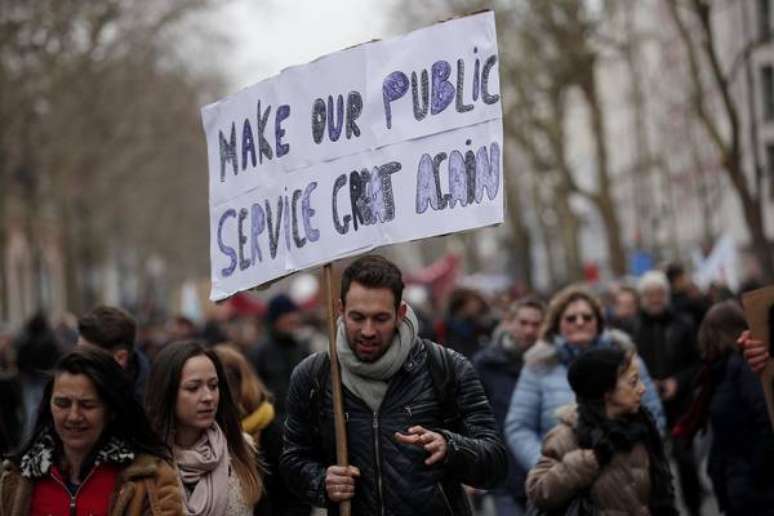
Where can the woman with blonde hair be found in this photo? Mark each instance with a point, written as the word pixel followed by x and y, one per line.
pixel 250 394
pixel 259 421
pixel 190 406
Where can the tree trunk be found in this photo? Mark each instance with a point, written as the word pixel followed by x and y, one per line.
pixel 87 255
pixel 569 227
pixel 603 198
pixel 753 216
pixel 4 301
pixel 547 236
pixel 703 195
pixel 69 238
pixel 641 179
pixel 667 210
pixel 522 240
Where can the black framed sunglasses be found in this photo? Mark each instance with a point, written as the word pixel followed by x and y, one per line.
pixel 573 318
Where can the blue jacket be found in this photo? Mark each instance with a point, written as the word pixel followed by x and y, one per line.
pixel 543 388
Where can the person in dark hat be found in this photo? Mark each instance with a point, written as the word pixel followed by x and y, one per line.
pixel 606 448
pixel 275 358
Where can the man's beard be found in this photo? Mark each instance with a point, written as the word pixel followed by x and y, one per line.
pixel 370 357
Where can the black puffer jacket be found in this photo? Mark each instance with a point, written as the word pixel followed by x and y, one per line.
pixel 394 481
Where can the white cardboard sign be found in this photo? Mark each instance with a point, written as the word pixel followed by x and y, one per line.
pixel 387 142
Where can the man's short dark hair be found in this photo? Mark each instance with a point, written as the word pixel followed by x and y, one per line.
pixel 673 271
pixel 373 271
pixel 109 328
pixel 533 302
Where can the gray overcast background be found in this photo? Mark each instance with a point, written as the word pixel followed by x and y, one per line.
pixel 267 36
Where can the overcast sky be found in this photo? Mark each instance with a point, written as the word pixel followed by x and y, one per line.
pixel 270 35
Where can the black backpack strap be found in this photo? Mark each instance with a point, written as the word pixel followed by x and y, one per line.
pixel 444 379
pixel 320 375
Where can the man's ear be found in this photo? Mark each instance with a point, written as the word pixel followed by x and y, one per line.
pixel 340 307
pixel 122 357
pixel 401 311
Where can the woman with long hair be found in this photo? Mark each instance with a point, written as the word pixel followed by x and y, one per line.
pixel 730 398
pixel 92 450
pixel 253 400
pixel 259 421
pixel 605 450
pixel 573 325
pixel 190 406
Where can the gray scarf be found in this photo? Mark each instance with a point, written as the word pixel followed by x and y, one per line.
pixel 368 380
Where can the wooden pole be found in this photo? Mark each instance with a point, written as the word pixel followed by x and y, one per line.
pixel 345 507
pixel 758 306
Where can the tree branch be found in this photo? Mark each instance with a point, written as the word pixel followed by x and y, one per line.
pixel 697 97
pixel 734 157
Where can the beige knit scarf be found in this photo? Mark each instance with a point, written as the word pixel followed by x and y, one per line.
pixel 205 466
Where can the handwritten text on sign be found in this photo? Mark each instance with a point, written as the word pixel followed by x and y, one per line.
pixel 387 142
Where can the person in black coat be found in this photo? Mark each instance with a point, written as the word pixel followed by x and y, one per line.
pixel 37 351
pixel 686 298
pixel 499 366
pixel 408 455
pixel 666 342
pixel 468 325
pixel 731 400
pixel 274 359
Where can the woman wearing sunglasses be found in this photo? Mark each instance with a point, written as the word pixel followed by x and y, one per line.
pixel 574 323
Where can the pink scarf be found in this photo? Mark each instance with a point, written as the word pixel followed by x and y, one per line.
pixel 205 465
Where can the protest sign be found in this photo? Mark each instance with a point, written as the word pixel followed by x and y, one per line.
pixel 387 142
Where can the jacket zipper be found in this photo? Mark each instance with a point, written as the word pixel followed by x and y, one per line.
pixel 419 408
pixel 380 502
pixel 445 499
pixel 74 497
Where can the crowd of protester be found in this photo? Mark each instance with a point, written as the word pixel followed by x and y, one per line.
pixel 594 391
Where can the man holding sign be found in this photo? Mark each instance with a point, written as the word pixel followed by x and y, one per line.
pixel 418 422
pixel 386 142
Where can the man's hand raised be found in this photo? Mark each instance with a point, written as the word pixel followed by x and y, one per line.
pixel 433 442
pixel 340 482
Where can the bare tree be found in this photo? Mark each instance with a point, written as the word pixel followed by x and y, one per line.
pixel 548 50
pixel 101 135
pixel 711 86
